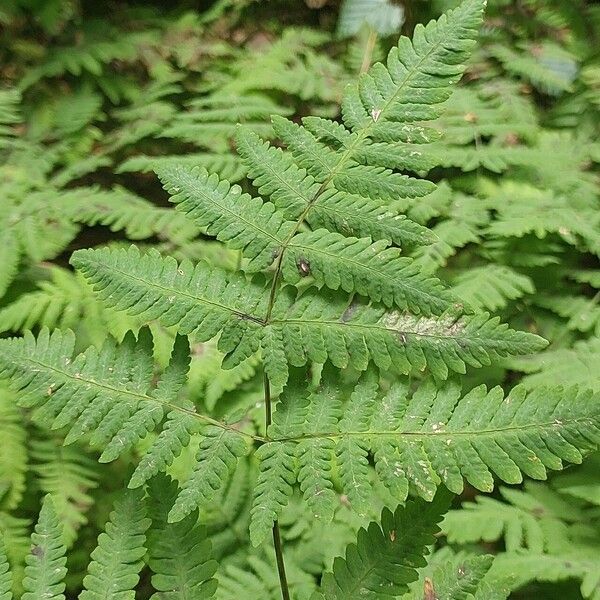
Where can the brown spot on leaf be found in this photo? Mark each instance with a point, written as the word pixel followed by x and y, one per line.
pixel 37 551
pixel 429 590
pixel 349 312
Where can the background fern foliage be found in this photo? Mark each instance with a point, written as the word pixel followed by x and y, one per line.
pixel 299 300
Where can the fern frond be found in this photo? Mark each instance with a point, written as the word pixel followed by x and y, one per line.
pixel 120 210
pixel 490 287
pixel 565 366
pixel 45 570
pixel 211 121
pixel 217 457
pixel 97 48
pixel 385 557
pixel 105 392
pixel 244 222
pixel 64 301
pixel 199 299
pixel 522 568
pixel 548 66
pixel 533 519
pixel 209 383
pixel 14 456
pixel 417 76
pixel 113 573
pixel 69 476
pixel 459 577
pixel 581 312
pixel 256 579
pixel 318 327
pixel 179 553
pixel 421 441
pixel 313 327
pixel 261 232
pixel 15 534
pixel 228 166
pixel 291 64
pixel 5 574
pixel 523 209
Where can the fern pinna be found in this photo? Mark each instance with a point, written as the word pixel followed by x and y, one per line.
pixel 325 298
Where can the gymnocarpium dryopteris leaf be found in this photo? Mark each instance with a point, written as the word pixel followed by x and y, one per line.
pixel 415 442
pixel 113 573
pixel 311 326
pixel 104 392
pixel 179 553
pixel 45 570
pixel 108 395
pixel 5 574
pixel 385 558
pixel 323 221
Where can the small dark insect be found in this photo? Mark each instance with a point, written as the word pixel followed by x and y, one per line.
pixel 303 267
pixel 37 551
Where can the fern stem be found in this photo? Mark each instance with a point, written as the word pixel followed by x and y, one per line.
pixel 268 409
pixel 368 56
pixel 285 592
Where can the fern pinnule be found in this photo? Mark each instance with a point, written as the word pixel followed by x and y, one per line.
pixel 116 562
pixel 80 392
pixel 385 557
pixel 421 441
pixel 5 574
pixel 45 570
pixel 179 553
pixel 216 459
pixel 14 458
pixel 69 476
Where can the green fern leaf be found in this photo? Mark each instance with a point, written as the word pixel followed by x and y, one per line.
pixel 244 222
pixel 417 78
pixel 385 557
pixel 113 573
pixel 490 287
pixel 199 298
pixel 45 570
pixel 352 452
pixel 457 577
pixel 277 471
pixel 216 459
pixel 528 519
pixel 315 455
pixel 176 434
pixel 69 476
pixel 314 327
pixel 261 232
pixel 426 439
pixel 371 269
pixel 179 554
pixel 5 574
pixel 318 327
pixel 104 392
pixel 13 460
